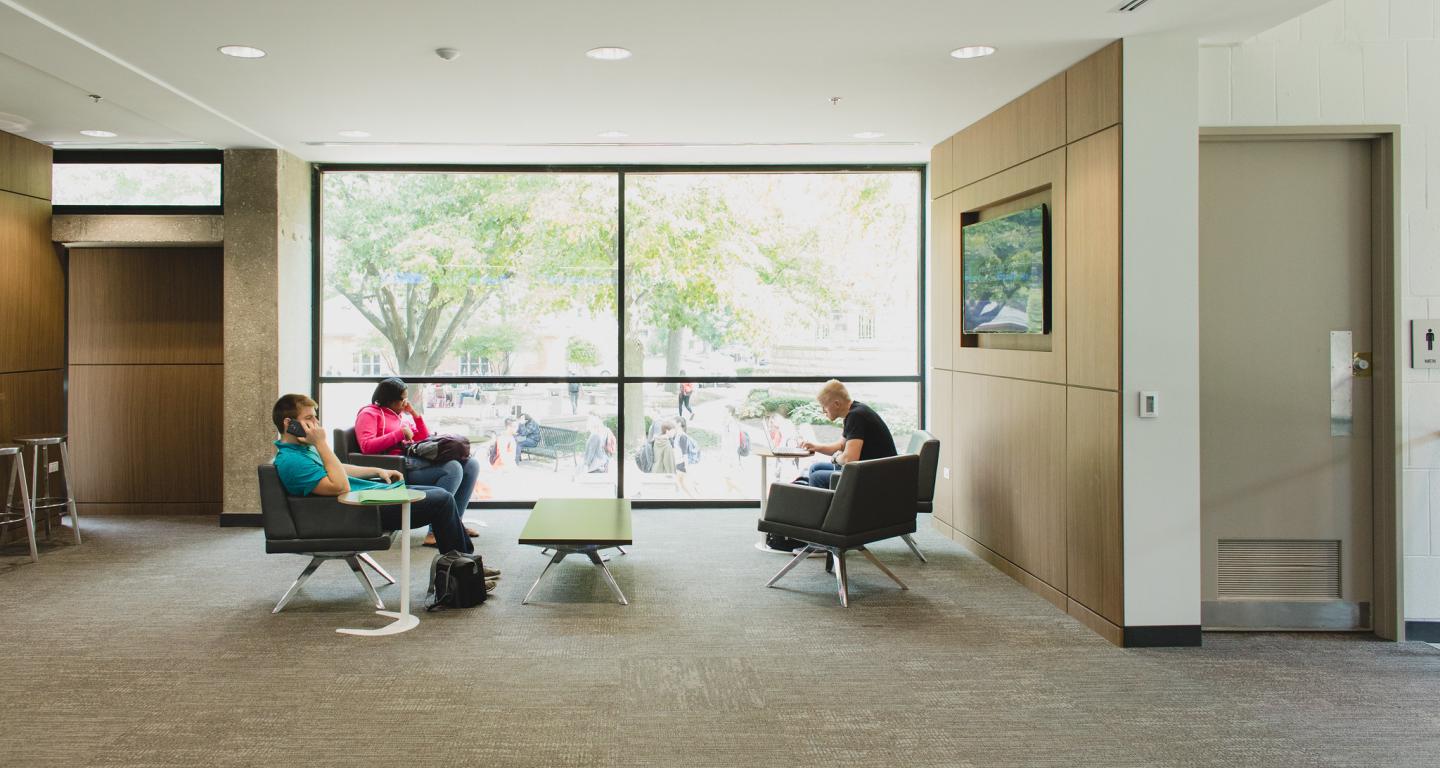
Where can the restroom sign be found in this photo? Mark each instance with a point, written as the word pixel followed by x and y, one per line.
pixel 1425 343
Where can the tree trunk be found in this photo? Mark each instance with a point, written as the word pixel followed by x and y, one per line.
pixel 674 345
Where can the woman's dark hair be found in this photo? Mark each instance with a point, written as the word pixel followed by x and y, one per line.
pixel 391 390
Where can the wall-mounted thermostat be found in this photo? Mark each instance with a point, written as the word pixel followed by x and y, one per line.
pixel 1425 343
pixel 1149 405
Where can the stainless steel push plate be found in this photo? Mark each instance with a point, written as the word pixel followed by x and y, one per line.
pixel 1342 391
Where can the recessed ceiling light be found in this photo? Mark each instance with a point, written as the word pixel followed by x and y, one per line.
pixel 612 134
pixel 867 135
pixel 355 134
pixel 12 123
pixel 972 51
pixel 99 134
pixel 242 51
pixel 609 53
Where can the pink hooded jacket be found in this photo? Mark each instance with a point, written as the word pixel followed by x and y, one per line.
pixel 377 429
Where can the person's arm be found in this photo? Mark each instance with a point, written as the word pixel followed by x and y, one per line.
pixel 421 431
pixel 372 440
pixel 335 482
pixel 372 473
pixel 851 451
pixel 825 448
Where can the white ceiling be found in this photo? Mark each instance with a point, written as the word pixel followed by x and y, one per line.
pixel 734 81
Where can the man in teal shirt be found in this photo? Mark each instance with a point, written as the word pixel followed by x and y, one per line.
pixel 308 466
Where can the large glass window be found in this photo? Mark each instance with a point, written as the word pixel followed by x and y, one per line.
pixel 495 294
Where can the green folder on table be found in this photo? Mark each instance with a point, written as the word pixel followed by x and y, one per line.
pixel 397 494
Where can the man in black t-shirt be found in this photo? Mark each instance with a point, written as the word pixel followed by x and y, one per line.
pixel 865 435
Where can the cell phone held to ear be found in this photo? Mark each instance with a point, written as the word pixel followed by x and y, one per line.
pixel 295 428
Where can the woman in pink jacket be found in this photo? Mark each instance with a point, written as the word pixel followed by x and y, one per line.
pixel 389 423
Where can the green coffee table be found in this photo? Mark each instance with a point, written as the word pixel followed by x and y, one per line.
pixel 578 527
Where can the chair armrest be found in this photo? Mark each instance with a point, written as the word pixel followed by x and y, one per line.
pixel 324 517
pixel 835 479
pixel 396 463
pixel 798 505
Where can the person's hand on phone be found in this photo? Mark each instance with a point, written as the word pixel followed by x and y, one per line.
pixel 314 433
pixel 390 475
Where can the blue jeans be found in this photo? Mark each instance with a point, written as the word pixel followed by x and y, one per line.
pixel 820 473
pixel 457 478
pixel 436 510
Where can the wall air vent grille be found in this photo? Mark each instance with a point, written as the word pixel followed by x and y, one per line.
pixel 1279 569
pixel 1130 5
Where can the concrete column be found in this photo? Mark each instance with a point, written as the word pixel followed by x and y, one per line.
pixel 267 307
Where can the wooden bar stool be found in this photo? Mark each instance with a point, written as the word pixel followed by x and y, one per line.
pixel 39 446
pixel 9 515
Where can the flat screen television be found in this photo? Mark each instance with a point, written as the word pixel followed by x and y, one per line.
pixel 1005 273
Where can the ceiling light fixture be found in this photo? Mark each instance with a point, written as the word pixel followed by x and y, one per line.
pixel 972 51
pixel 355 134
pixel 99 134
pixel 613 134
pixel 12 123
pixel 868 135
pixel 609 53
pixel 242 51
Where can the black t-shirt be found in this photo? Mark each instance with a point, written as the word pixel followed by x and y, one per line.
pixel 861 423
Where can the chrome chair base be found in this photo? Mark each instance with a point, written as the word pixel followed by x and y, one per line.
pixel 835 560
pixel 354 560
pixel 910 540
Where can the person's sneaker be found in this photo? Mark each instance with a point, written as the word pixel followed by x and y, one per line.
pixel 491 584
pixel 491 573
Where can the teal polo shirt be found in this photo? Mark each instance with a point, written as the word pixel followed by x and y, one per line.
pixel 301 469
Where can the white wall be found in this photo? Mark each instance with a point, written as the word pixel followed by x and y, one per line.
pixel 1365 62
pixel 1161 331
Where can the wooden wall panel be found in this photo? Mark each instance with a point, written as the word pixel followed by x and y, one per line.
pixel 1093 501
pixel 1025 128
pixel 121 313
pixel 146 433
pixel 1093 93
pixel 31 402
pixel 32 288
pixel 1093 261
pixel 1045 173
pixel 1009 485
pixel 940 418
pixel 941 304
pixel 941 179
pixel 24 166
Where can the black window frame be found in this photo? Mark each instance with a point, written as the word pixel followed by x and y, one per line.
pixel 621 380
pixel 142 157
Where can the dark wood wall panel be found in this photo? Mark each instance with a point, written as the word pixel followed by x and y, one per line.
pixel 145 305
pixel 1009 488
pixel 31 402
pixel 24 166
pixel 1035 421
pixel 32 288
pixel 146 433
pixel 1092 93
pixel 1092 501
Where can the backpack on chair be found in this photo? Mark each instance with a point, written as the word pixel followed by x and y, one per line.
pixel 456 581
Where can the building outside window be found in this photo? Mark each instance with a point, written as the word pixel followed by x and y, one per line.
pixel 367 364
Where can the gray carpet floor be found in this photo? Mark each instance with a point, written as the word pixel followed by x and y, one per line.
pixel 152 644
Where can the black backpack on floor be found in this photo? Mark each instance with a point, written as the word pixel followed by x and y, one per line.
pixel 456 581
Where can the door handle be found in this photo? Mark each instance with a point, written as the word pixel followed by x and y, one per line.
pixel 1360 365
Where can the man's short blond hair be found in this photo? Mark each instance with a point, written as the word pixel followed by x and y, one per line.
pixel 833 391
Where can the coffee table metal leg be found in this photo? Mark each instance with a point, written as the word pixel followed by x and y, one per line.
pixel 609 579
pixel 559 555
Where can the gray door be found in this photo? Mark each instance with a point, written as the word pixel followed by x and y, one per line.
pixel 1285 402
